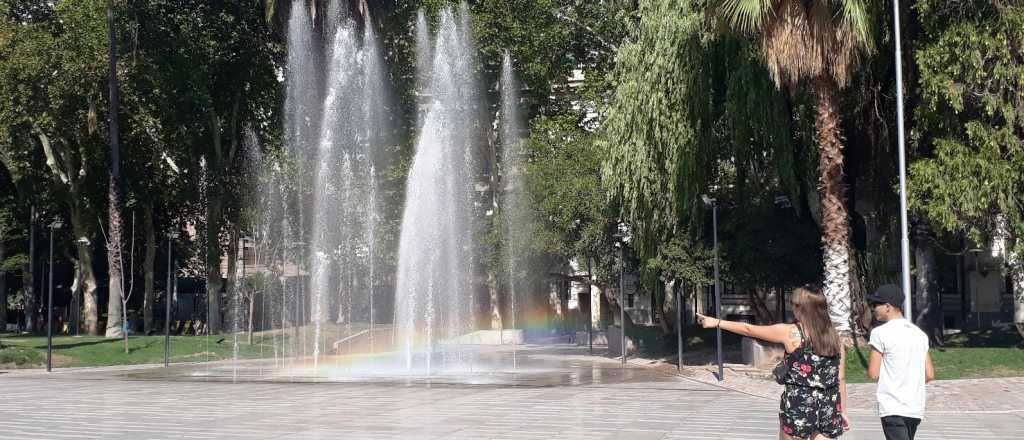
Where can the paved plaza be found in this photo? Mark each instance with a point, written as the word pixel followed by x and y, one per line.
pixel 588 398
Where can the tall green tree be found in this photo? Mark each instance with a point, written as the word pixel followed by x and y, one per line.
pixel 117 296
pixel 969 178
pixel 213 75
pixel 567 194
pixel 52 69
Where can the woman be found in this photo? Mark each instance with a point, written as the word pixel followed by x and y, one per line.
pixel 814 401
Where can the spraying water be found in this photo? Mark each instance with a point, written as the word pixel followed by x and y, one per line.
pixel 336 120
pixel 512 198
pixel 334 154
pixel 433 296
pixel 344 206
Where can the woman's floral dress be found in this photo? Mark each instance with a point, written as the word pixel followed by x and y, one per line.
pixel 811 401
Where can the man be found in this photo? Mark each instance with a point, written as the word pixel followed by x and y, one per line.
pixel 900 363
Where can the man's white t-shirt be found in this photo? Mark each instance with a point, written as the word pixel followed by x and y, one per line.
pixel 904 349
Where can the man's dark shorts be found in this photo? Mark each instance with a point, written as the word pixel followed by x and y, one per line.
pixel 899 427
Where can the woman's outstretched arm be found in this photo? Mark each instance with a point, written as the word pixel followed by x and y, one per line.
pixel 779 333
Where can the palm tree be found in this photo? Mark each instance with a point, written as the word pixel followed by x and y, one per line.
pixel 818 41
pixel 116 304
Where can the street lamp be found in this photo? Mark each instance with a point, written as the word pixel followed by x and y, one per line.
pixel 713 204
pixel 49 302
pixel 171 281
pixel 904 236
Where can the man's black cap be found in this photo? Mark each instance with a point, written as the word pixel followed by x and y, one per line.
pixel 887 294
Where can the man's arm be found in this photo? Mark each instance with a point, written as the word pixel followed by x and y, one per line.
pixel 875 364
pixel 929 370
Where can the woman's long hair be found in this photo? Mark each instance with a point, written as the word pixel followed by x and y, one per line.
pixel 811 310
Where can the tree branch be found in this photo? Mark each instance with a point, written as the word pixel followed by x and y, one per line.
pixel 593 33
pixel 53 158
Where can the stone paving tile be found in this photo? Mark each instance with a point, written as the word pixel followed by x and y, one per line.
pixel 944 396
pixel 653 404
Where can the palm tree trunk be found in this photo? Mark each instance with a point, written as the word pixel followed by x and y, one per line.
pixel 835 220
pixel 115 221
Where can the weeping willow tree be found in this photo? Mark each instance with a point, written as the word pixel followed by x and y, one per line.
pixel 691 114
pixel 650 139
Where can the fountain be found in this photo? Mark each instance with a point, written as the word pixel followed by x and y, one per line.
pixel 434 296
pixel 335 130
pixel 513 206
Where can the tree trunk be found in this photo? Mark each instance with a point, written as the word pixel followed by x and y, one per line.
pixel 75 305
pixel 114 197
pixel 231 286
pixel 149 295
pixel 3 289
pixel 214 282
pixel 669 305
pixel 929 315
pixel 585 307
pixel 611 295
pixel 759 302
pixel 252 312
pixel 563 303
pixel 115 262
pixel 606 310
pixel 30 275
pixel 835 220
pixel 494 310
pixel 1016 263
pixel 87 284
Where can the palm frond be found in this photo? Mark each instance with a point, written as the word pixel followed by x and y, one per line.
pixel 747 16
pixel 855 17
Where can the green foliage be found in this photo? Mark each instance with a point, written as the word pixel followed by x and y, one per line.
pixel 970 131
pixel 768 246
pixel 652 161
pixel 683 259
pixel 693 115
pixel 13 263
pixel 52 82
pixel 565 188
pixel 533 34
pixel 17 300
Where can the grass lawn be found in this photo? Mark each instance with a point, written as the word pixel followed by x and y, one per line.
pixel 976 354
pixel 986 353
pixel 29 351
